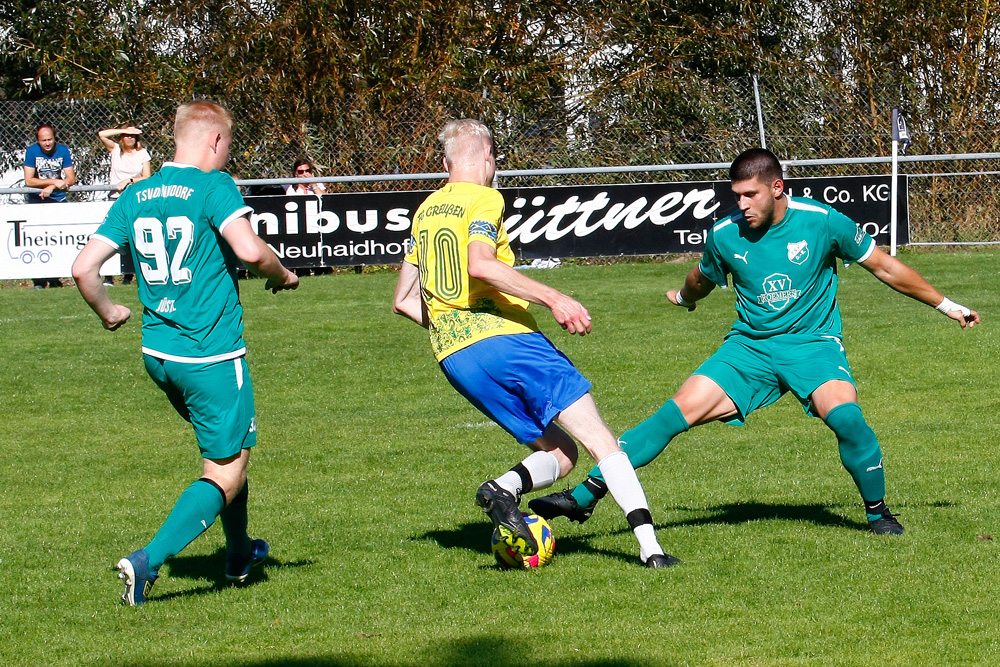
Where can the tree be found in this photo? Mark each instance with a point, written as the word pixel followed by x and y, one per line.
pixel 362 86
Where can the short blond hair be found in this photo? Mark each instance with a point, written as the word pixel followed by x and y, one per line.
pixel 462 140
pixel 200 116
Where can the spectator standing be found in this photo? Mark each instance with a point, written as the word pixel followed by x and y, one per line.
pixel 48 165
pixel 304 168
pixel 130 163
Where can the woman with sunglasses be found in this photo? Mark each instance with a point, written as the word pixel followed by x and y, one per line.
pixel 130 162
pixel 304 168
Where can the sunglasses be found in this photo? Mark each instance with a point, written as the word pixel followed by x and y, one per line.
pixel 305 170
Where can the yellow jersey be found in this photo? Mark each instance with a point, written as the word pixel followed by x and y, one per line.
pixel 463 310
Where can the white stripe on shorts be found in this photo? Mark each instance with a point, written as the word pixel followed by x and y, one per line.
pixel 239 373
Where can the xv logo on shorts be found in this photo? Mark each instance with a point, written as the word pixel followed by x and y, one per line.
pixel 778 291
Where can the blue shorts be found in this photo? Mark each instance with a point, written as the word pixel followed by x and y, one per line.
pixel 755 373
pixel 520 381
pixel 217 398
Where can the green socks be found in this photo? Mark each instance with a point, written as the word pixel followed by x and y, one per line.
pixel 859 450
pixel 234 523
pixel 193 513
pixel 642 444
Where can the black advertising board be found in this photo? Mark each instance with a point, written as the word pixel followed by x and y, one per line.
pixel 559 221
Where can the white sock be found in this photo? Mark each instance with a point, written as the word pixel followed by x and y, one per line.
pixel 543 468
pixel 539 469
pixel 510 482
pixel 648 545
pixel 627 491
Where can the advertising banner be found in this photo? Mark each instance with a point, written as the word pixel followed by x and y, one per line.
pixel 560 221
pixel 42 240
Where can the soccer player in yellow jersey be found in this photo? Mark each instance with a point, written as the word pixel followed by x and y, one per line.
pixel 458 281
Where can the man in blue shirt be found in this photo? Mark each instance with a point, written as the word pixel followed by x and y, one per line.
pixel 49 166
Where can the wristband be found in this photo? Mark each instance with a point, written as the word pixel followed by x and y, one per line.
pixel 947 305
pixel 680 300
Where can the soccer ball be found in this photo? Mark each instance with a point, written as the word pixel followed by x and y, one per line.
pixel 508 559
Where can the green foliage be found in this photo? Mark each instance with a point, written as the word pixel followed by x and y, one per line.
pixel 938 61
pixel 572 75
pixel 368 462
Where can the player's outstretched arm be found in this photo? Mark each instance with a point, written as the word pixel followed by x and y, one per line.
pixel 407 300
pixel 906 280
pixel 568 312
pixel 87 274
pixel 258 257
pixel 696 287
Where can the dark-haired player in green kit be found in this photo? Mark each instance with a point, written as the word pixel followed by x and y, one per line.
pixel 781 254
pixel 188 231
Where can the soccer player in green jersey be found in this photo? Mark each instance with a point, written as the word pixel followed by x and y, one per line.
pixel 188 231
pixel 780 253
pixel 458 281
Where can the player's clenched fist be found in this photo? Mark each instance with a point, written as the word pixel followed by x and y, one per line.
pixel 571 315
pixel 120 317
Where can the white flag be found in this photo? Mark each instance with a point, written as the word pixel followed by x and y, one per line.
pixel 899 131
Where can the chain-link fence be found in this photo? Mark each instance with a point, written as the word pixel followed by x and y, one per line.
pixel 950 200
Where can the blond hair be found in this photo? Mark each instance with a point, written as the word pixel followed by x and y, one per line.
pixel 195 118
pixel 463 140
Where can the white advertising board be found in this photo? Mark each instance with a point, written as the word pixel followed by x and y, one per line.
pixel 42 240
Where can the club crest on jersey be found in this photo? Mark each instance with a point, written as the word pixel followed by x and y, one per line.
pixel 778 291
pixel 798 252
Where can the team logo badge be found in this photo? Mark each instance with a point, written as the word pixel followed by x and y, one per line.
pixel 798 252
pixel 778 291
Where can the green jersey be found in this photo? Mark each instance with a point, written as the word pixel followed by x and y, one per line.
pixel 172 225
pixel 785 277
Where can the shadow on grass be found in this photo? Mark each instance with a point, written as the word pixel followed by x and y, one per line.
pixel 212 568
pixel 820 515
pixel 739 513
pixel 473 536
pixel 473 652
pixel 476 536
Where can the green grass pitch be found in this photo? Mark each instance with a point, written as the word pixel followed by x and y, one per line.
pixel 368 461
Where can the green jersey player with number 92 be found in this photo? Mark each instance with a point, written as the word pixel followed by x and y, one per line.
pixel 187 230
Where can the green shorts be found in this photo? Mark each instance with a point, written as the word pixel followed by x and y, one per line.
pixel 755 373
pixel 217 398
